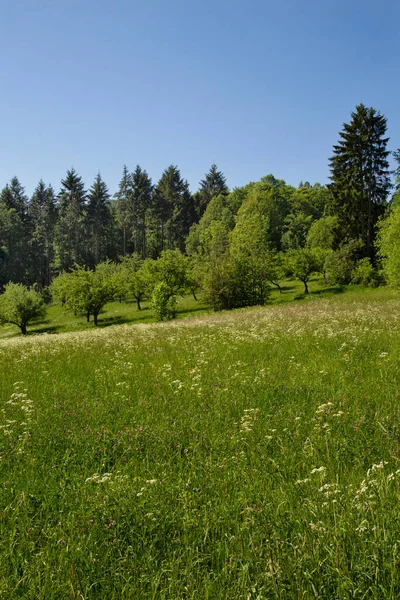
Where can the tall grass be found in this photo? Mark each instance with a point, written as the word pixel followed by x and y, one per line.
pixel 247 455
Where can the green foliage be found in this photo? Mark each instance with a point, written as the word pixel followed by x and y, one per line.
pixel 212 185
pixel 163 303
pixel 388 244
pixel 234 283
pixel 20 305
pixel 84 291
pixel 302 263
pixel 360 177
pixel 364 273
pixel 340 265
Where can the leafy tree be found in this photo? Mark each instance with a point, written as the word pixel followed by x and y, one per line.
pixel 388 244
pixel 296 229
pixel 84 291
pixel 360 177
pixel 320 239
pixel 163 303
pixel 135 277
pixel 98 222
pixel 302 263
pixel 340 265
pixel 20 305
pixel 71 239
pixel 396 195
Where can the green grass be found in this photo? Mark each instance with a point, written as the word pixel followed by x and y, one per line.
pixel 245 455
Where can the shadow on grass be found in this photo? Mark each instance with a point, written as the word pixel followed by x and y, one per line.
pixel 332 290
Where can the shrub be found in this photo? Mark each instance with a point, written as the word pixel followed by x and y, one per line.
pixel 163 302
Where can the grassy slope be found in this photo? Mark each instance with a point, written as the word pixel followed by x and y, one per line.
pixel 252 454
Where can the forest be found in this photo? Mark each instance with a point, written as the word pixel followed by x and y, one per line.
pixel 84 247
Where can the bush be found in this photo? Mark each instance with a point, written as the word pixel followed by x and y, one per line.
pixel 364 273
pixel 163 302
pixel 340 264
pixel 231 283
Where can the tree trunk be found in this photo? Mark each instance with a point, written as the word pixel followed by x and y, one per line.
pixel 95 315
pixel 305 286
pixel 23 329
pixel 138 303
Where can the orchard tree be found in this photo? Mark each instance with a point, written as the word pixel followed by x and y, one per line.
pixel 302 263
pixel 85 292
pixel 20 305
pixel 360 177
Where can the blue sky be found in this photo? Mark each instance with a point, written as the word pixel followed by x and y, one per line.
pixel 257 87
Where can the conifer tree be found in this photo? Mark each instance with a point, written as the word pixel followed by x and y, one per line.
pixel 42 217
pixel 71 231
pixel 123 209
pixel 98 221
pixel 360 177
pixel 213 184
pixel 173 210
pixel 140 200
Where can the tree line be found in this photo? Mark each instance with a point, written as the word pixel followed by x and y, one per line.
pixel 233 245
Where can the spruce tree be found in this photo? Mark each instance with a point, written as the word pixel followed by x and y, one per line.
pixel 123 209
pixel 71 231
pixel 173 210
pixel 360 177
pixel 141 198
pixel 213 184
pixel 42 217
pixel 98 222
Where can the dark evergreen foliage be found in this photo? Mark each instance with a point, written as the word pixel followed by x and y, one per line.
pixel 360 177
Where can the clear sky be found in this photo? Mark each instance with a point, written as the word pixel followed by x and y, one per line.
pixel 256 86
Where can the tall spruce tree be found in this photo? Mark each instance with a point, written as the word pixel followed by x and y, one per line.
pixel 140 198
pixel 360 177
pixel 213 184
pixel 123 209
pixel 71 236
pixel 173 211
pixel 98 222
pixel 42 216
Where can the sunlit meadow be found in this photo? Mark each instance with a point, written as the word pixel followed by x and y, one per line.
pixel 248 455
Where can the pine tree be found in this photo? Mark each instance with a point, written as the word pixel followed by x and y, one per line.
pixel 123 209
pixel 141 198
pixel 173 210
pixel 98 222
pixel 42 217
pixel 360 176
pixel 13 233
pixel 18 198
pixel 71 231
pixel 213 184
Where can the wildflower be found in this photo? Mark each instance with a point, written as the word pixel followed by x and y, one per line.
pixel 318 470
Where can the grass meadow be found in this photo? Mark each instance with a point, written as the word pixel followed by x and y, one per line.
pixel 248 455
